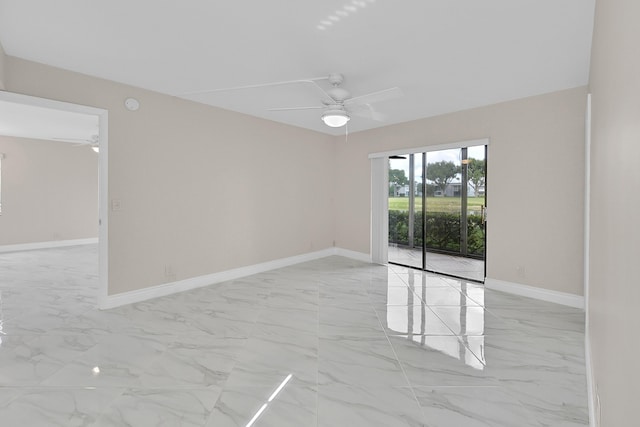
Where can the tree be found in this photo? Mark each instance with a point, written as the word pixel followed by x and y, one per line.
pixel 442 173
pixel 397 177
pixel 476 174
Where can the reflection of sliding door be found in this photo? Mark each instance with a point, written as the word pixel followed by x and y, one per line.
pixel 436 211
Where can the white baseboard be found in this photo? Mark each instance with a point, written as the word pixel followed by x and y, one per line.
pixel 47 245
pixel 358 256
pixel 112 301
pixel 562 298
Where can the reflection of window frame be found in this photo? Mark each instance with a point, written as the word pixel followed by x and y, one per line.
pixel 471 353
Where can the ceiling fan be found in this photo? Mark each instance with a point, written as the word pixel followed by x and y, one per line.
pixel 337 102
pixel 93 142
pixel 339 105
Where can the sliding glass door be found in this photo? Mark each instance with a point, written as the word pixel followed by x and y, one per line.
pixel 405 209
pixel 437 206
pixel 475 167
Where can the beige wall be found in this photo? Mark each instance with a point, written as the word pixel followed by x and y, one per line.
pixel 202 190
pixel 205 190
pixel 615 209
pixel 535 183
pixel 49 191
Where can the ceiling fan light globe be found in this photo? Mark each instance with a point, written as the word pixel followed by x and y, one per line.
pixel 335 118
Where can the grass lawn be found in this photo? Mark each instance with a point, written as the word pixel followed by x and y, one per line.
pixel 436 204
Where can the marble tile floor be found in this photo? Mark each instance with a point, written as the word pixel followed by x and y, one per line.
pixel 448 264
pixel 333 342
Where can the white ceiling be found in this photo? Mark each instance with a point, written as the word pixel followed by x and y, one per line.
pixel 28 121
pixel 445 55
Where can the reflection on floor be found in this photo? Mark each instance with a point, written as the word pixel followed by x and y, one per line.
pixel 447 264
pixel 333 342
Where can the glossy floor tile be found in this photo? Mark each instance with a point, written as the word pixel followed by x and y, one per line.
pixel 332 342
pixel 447 264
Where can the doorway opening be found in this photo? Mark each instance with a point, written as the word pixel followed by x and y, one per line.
pixel 40 118
pixel 437 211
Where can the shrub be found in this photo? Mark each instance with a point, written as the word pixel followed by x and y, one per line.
pixel 442 231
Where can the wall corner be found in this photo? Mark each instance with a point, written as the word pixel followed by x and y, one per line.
pixel 3 61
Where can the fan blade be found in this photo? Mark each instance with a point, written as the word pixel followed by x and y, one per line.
pixel 294 108
pixel 286 82
pixel 370 98
pixel 367 111
pixel 76 141
pixel 328 97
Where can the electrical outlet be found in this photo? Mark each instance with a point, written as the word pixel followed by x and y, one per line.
pixel 169 274
pixel 116 205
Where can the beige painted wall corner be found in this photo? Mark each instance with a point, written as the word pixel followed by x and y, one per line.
pixel 615 178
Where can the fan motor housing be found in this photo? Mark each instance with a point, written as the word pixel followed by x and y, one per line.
pixel 338 94
pixel 336 79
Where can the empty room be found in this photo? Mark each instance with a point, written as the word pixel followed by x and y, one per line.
pixel 337 213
